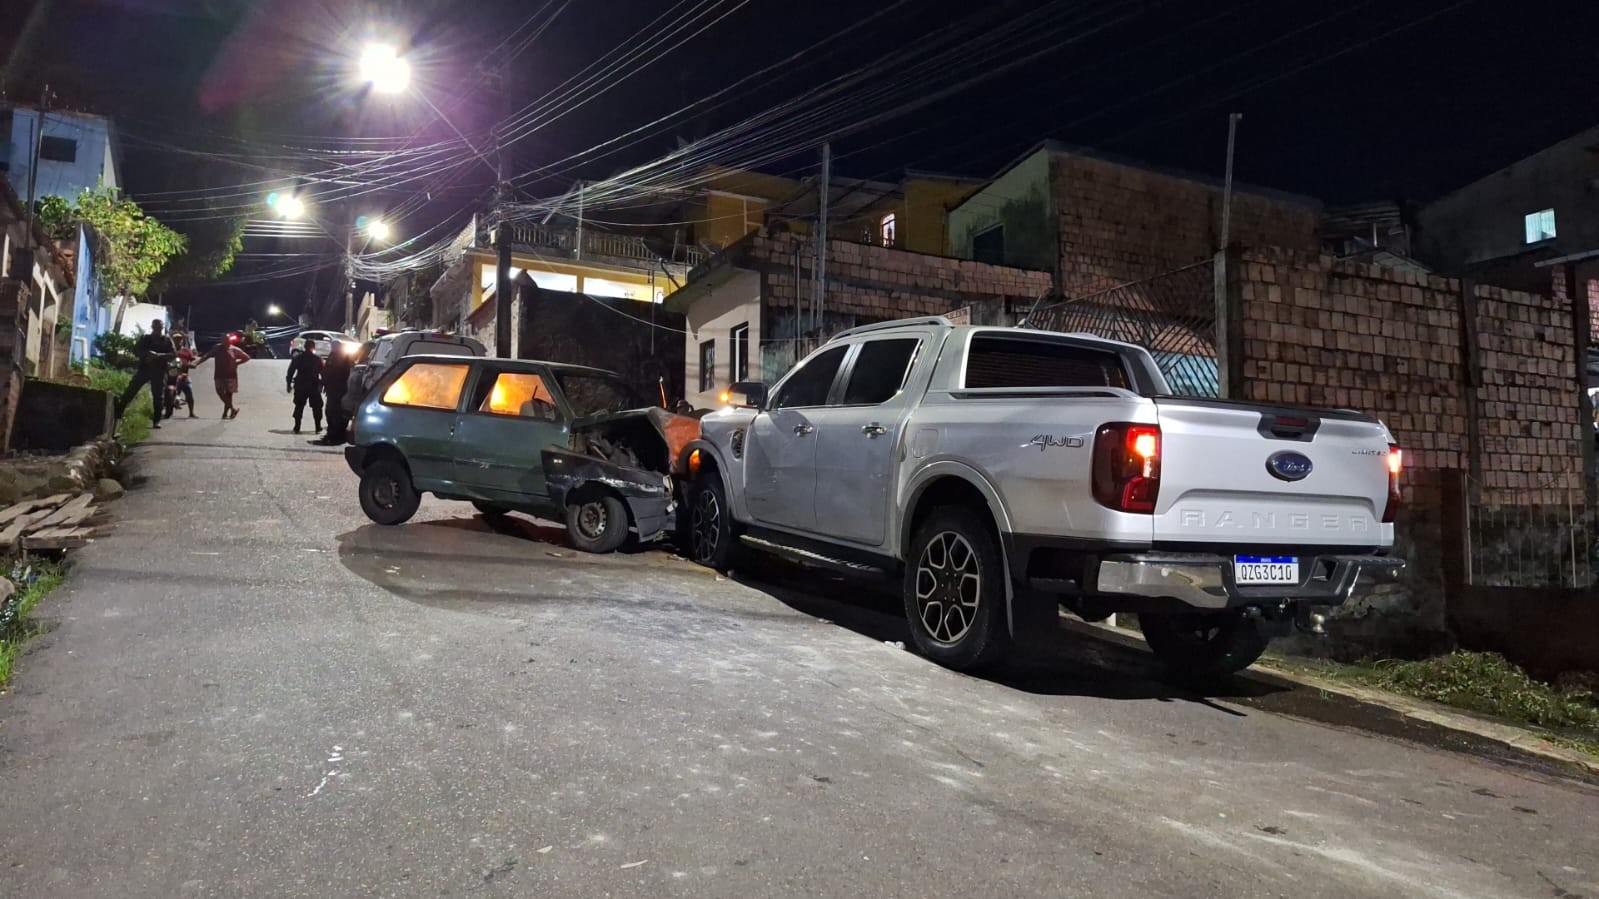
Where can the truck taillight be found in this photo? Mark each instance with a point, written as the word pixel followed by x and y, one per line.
pixel 1396 463
pixel 1126 474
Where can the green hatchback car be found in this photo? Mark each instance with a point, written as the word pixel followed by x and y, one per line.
pixel 560 442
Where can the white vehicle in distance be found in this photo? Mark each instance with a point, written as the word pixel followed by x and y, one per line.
pixel 325 342
pixel 1003 474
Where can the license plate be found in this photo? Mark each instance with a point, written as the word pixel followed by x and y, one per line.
pixel 1259 570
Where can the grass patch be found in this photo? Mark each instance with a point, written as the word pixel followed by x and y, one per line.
pixel 33 581
pixel 1488 684
pixel 135 425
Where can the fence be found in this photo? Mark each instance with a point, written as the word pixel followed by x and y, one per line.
pixel 1173 315
pixel 564 240
pixel 1548 544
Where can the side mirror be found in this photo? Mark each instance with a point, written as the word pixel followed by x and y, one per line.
pixel 746 395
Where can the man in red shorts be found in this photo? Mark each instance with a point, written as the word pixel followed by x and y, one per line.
pixel 228 358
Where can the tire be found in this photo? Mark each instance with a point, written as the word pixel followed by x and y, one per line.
pixel 707 535
pixel 954 591
pixel 1204 647
pixel 387 495
pixel 490 511
pixel 597 526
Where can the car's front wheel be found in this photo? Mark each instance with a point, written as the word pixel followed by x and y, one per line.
pixel 1204 646
pixel 597 526
pixel 954 591
pixel 387 495
pixel 705 529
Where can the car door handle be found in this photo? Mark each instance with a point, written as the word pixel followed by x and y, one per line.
pixel 802 430
pixel 873 430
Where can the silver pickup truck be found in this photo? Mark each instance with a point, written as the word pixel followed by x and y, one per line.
pixel 1002 474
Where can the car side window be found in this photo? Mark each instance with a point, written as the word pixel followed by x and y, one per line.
pixel 515 394
pixel 880 370
pixel 428 385
pixel 810 385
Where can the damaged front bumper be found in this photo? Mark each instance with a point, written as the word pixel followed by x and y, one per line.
pixel 648 494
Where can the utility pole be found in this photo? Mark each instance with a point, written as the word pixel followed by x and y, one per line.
pixel 821 238
pixel 1227 186
pixel 502 229
pixel 34 148
pixel 577 248
pixel 349 279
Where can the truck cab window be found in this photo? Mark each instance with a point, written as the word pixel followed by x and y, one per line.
pixel 996 361
pixel 880 371
pixel 810 385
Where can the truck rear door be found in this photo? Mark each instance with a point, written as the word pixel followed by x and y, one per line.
pixel 1256 476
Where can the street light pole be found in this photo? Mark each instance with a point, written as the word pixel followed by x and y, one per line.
pixel 349 278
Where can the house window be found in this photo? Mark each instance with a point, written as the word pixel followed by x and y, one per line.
pixel 886 230
pixel 989 245
pixel 708 365
pixel 58 149
pixel 741 353
pixel 1540 226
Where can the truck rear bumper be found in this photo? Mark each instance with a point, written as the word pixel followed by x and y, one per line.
pixel 1205 581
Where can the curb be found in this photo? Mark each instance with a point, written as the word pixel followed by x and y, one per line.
pixel 1420 710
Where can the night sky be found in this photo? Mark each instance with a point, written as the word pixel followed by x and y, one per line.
pixel 1351 101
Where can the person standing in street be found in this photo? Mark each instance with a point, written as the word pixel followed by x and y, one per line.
pixel 154 352
pixel 185 361
pixel 228 358
pixel 305 382
pixel 335 380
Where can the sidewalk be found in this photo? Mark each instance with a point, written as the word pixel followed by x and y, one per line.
pixel 1474 731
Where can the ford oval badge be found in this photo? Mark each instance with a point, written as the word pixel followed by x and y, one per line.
pixel 1289 466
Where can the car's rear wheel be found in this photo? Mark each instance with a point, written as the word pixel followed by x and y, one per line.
pixel 706 533
pixel 387 495
pixel 1204 646
pixel 598 525
pixel 954 591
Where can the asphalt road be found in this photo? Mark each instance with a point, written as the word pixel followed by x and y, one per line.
pixel 251 691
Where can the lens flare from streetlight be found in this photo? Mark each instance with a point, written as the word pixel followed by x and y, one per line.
pixel 378 230
pixel 384 68
pixel 288 206
pixel 274 309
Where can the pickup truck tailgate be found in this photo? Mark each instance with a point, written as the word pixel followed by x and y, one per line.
pixel 1257 476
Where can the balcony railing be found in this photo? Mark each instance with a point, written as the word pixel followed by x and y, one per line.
pixel 563 242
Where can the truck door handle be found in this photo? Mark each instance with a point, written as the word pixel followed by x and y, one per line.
pixel 874 430
pixel 801 430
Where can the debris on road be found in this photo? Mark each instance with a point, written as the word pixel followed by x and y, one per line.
pixel 57 522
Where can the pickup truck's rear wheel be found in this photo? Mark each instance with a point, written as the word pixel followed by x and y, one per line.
pixel 1204 645
pixel 955 591
pixel 387 494
pixel 707 534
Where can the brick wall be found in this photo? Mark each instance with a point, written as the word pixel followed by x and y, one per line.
pixel 1475 382
pixel 1121 223
pixel 879 283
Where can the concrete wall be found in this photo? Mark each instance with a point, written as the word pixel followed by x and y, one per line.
pixel 737 302
pixel 1478 226
pixel 561 327
pixel 1120 223
pixel 94 165
pixel 1018 200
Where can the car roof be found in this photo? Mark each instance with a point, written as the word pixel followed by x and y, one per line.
pixel 514 364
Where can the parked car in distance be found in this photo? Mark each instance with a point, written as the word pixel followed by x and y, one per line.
pixel 325 342
pixel 1002 474
pixel 561 442
pixel 376 357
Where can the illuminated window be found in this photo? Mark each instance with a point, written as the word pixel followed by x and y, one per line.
pixel 1540 225
pixel 522 394
pixel 887 231
pixel 428 385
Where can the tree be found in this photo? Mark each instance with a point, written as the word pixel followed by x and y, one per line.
pixel 211 245
pixel 131 247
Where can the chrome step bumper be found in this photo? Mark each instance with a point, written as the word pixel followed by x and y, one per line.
pixel 1205 581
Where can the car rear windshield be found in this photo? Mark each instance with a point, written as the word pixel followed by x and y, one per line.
pixel 997 361
pixel 593 393
pixel 438 348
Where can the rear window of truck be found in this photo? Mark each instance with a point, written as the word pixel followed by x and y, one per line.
pixel 997 361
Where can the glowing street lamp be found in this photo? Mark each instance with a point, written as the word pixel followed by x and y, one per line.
pixel 274 310
pixel 287 206
pixel 384 68
pixel 378 230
